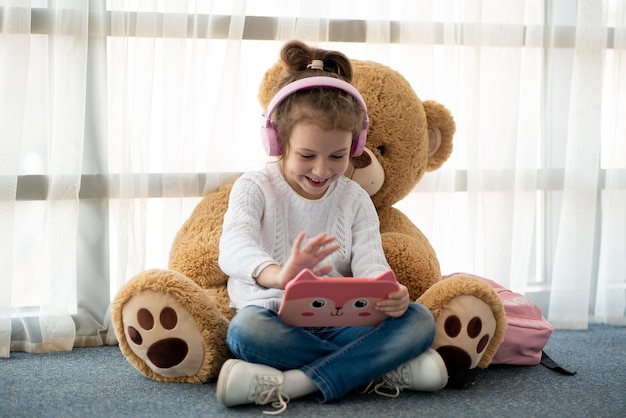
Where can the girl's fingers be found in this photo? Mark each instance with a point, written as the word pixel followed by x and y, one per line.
pixel 322 271
pixel 328 251
pixel 316 243
pixel 297 243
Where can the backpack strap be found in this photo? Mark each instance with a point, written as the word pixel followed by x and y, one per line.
pixel 463 379
pixel 553 365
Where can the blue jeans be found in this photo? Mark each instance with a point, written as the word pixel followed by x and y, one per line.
pixel 338 359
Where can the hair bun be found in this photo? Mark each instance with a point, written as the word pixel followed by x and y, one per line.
pixel 298 58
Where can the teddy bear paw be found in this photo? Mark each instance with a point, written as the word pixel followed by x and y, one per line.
pixel 465 327
pixel 163 334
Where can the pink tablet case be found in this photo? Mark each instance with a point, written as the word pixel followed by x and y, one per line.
pixel 311 301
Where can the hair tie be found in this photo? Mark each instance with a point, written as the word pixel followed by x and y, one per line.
pixel 316 65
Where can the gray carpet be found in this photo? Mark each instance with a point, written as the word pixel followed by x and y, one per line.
pixel 98 382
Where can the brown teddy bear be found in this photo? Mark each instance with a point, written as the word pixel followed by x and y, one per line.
pixel 171 324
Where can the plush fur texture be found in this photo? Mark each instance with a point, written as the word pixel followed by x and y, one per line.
pixel 195 248
pixel 209 322
pixel 406 139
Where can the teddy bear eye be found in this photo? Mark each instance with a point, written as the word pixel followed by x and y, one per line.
pixel 382 150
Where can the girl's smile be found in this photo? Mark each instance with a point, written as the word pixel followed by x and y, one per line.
pixel 315 158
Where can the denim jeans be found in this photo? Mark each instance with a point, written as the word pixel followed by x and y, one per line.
pixel 337 359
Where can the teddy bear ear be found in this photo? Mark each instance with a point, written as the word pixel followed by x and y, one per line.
pixel 268 86
pixel 441 128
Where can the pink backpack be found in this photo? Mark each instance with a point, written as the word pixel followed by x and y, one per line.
pixel 527 331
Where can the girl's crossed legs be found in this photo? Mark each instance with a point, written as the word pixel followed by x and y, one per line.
pixel 337 360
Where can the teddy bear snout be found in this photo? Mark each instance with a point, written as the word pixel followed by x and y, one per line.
pixel 362 161
pixel 367 171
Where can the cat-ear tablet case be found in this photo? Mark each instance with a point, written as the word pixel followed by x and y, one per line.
pixel 311 301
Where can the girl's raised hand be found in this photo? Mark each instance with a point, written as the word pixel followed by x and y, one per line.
pixel 309 256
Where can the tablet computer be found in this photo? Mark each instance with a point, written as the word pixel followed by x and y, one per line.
pixel 311 301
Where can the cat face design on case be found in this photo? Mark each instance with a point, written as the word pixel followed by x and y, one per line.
pixel 335 301
pixel 328 306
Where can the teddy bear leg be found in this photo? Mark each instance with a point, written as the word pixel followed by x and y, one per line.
pixel 161 332
pixel 464 329
pixel 169 329
pixel 469 324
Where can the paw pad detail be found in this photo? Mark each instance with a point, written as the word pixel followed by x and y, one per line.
pixel 145 319
pixel 168 353
pixel 464 329
pixel 162 333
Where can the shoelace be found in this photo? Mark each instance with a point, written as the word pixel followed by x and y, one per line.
pixel 268 390
pixel 394 381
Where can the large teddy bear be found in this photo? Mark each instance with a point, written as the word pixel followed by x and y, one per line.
pixel 171 324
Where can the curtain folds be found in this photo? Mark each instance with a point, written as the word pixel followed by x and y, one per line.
pixel 118 115
pixel 42 114
pixel 573 264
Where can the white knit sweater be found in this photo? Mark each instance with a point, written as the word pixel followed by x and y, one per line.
pixel 264 217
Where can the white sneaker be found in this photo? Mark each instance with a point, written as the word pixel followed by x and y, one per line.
pixel 241 383
pixel 426 373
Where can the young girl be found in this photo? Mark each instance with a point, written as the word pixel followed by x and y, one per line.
pixel 301 212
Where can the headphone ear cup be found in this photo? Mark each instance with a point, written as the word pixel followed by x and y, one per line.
pixel 358 145
pixel 270 140
pixel 269 137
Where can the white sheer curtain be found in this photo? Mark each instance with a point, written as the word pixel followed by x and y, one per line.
pixel 533 196
pixel 118 115
pixel 42 109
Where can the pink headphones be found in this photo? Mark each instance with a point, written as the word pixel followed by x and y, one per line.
pixel 268 130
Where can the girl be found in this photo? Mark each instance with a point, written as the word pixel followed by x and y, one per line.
pixel 301 212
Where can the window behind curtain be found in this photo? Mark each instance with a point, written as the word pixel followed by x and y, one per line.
pixel 159 108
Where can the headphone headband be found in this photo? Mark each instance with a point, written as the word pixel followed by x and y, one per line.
pixel 268 130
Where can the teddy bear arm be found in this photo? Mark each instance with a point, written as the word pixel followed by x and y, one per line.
pixel 413 262
pixel 195 248
pixel 408 252
pixel 198 261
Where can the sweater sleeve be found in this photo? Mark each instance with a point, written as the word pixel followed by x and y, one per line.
pixel 241 252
